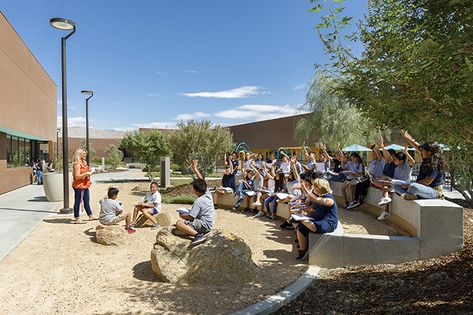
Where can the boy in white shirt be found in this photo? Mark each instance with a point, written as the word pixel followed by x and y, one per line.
pixel 150 206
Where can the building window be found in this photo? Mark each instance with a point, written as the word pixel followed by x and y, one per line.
pixel 18 151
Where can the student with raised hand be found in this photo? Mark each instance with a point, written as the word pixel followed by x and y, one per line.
pixel 285 164
pixel 353 170
pixel 429 183
pixel 388 155
pixel 375 172
pixel 201 217
pixel 323 217
pixel 247 189
pixel 270 174
pixel 228 181
pixel 402 172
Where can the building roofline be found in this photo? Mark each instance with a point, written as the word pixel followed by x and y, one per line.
pixel 267 120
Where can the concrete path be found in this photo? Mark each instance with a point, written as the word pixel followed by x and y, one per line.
pixel 20 211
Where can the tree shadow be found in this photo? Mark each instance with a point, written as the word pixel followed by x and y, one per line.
pixel 142 271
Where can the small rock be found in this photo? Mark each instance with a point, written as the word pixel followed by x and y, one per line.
pixel 110 235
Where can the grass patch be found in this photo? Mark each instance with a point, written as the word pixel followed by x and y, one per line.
pixel 179 182
pixel 184 199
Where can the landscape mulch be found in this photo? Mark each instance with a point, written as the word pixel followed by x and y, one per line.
pixel 442 285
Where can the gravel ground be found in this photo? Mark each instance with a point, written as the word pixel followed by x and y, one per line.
pixel 440 285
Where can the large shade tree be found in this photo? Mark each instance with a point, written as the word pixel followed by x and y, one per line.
pixel 415 72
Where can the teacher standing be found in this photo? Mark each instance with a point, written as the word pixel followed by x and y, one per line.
pixel 81 174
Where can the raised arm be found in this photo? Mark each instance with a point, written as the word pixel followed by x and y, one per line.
pixel 387 157
pixel 294 169
pixel 410 159
pixel 255 169
pixel 195 169
pixel 410 140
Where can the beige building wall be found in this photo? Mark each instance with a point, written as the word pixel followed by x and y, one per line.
pixel 25 88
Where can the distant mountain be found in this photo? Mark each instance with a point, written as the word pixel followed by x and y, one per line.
pixel 79 132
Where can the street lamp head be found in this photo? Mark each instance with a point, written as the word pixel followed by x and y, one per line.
pixel 62 24
pixel 86 92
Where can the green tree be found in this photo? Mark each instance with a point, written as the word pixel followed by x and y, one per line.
pixel 113 155
pixel 149 147
pixel 333 119
pixel 416 70
pixel 202 141
pixel 92 151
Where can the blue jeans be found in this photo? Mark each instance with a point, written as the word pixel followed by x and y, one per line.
pixel 240 188
pixel 271 200
pixel 40 177
pixel 422 191
pixel 241 196
pixel 79 195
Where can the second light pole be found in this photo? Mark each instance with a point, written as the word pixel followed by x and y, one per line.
pixel 90 94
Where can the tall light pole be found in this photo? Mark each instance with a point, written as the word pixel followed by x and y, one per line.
pixel 65 25
pixel 90 94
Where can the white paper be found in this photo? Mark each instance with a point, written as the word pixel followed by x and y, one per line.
pixel 399 182
pixel 299 217
pixel 250 193
pixel 183 210
pixel 282 195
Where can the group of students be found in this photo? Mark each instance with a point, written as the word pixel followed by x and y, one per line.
pixel 268 182
pixel 196 223
pixel 306 188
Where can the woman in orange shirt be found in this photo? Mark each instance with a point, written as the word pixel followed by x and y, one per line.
pixel 81 173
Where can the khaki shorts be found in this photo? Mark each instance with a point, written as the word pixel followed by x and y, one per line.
pixel 119 218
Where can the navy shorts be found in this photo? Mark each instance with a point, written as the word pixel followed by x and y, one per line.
pixel 321 226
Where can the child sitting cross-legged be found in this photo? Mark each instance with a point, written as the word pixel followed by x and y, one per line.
pixel 150 206
pixel 201 216
pixel 111 212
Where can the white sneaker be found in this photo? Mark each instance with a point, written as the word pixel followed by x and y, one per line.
pixel 259 214
pixel 384 201
pixel 384 215
pixel 257 204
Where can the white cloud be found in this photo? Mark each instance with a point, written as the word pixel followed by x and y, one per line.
pixel 241 92
pixel 162 73
pixel 153 94
pixel 72 122
pixel 299 87
pixel 192 71
pixel 154 124
pixel 258 112
pixel 195 116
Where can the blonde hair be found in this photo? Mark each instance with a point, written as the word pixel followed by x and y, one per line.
pixel 76 157
pixel 323 185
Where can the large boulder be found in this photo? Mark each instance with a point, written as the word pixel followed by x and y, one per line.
pixel 223 259
pixel 110 235
pixel 164 219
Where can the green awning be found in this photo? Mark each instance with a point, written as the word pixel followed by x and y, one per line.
pixel 20 134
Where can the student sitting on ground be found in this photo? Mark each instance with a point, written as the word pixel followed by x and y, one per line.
pixel 150 206
pixel 323 215
pixel 201 217
pixel 228 182
pixel 430 179
pixel 402 172
pixel 111 211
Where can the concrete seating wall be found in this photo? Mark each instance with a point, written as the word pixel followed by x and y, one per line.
pixel 435 228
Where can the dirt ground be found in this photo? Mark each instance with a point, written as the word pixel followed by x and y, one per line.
pixel 59 268
pixel 441 285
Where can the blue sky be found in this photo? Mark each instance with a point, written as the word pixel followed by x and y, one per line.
pixel 152 63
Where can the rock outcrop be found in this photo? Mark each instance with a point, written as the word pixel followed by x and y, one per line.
pixel 224 259
pixel 110 235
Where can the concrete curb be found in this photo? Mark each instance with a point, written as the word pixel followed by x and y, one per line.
pixel 275 302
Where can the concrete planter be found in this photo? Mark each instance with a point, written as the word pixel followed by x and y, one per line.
pixel 52 183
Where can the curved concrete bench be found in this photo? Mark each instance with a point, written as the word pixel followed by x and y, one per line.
pixel 435 228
